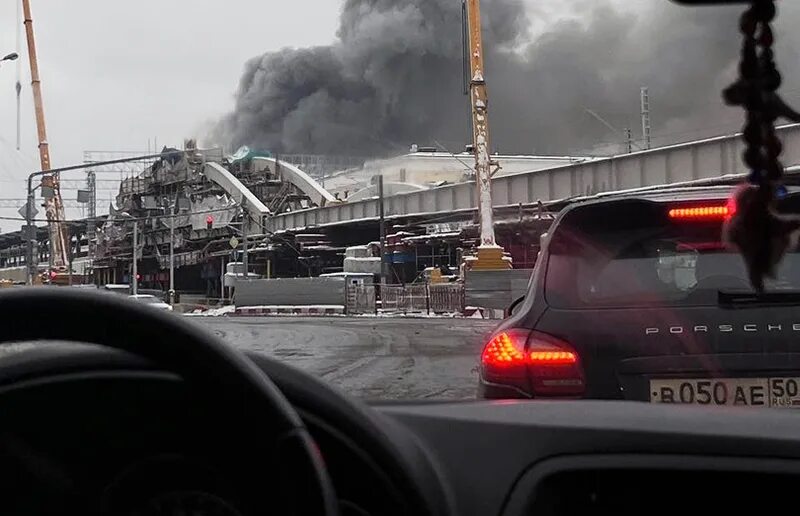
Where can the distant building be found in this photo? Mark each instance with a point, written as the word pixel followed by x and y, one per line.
pixel 426 169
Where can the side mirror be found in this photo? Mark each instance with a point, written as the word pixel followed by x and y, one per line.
pixel 514 307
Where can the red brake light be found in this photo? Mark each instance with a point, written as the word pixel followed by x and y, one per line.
pixel 553 357
pixel 534 362
pixel 554 366
pixel 702 212
pixel 506 349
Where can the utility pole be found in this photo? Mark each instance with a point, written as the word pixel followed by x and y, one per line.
pixel 91 184
pixel 71 258
pixel 382 222
pixel 490 255
pixel 30 234
pixel 465 61
pixel 18 85
pixel 222 279
pixel 628 140
pixel 646 118
pixel 245 226
pixel 172 260
pixel 171 293
pixel 135 275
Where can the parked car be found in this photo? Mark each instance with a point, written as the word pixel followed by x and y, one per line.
pixel 122 288
pixel 151 300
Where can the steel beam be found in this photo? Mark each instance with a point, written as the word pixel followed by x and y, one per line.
pixel 703 159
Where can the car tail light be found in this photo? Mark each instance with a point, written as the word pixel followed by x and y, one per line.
pixel 553 357
pixel 504 359
pixel 554 367
pixel 535 362
pixel 702 212
pixel 506 349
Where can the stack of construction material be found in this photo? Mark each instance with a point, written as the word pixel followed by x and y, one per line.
pixel 361 259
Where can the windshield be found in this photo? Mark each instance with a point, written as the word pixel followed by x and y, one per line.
pixel 363 188
pixel 633 254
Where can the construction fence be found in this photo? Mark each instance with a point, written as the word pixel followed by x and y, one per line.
pixel 444 298
pixel 492 290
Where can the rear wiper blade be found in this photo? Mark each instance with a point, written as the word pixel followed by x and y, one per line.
pixel 745 297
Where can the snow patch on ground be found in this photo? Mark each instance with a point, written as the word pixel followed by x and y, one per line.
pixel 320 310
pixel 415 315
pixel 214 312
pixel 295 307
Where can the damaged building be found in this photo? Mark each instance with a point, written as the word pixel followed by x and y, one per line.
pixel 205 204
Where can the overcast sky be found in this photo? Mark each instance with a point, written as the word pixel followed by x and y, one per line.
pixel 115 74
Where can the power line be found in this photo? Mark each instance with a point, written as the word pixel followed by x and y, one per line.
pixel 731 127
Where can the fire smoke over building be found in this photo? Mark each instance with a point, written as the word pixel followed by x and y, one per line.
pixel 394 76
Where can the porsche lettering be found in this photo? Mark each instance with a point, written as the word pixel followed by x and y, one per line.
pixel 723 328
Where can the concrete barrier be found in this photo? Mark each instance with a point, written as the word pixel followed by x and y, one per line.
pixel 291 292
pixel 496 289
pixel 258 311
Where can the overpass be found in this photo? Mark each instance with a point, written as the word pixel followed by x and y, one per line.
pixel 312 224
pixel 691 161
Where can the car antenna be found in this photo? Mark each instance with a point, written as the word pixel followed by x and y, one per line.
pixel 755 229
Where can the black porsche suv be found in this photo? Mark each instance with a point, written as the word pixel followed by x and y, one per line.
pixel 636 297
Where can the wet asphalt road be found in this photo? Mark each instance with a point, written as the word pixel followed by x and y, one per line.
pixel 370 358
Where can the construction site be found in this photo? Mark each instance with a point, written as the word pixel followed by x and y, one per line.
pixel 200 224
pixel 208 218
pixel 427 230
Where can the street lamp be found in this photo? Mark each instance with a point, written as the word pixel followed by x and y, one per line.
pixel 10 57
pixel 169 207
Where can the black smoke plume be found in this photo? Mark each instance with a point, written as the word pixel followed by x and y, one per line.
pixel 394 77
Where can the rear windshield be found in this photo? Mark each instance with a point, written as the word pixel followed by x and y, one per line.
pixel 632 253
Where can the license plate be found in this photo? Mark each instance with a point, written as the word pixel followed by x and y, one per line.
pixel 744 392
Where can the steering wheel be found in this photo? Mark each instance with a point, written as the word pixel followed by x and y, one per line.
pixel 203 361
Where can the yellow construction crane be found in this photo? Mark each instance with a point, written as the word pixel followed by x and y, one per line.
pixel 490 255
pixel 54 206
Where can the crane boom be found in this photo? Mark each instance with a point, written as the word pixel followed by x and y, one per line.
pixel 54 206
pixel 490 255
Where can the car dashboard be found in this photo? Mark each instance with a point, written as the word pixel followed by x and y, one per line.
pixel 108 425
pixel 575 457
